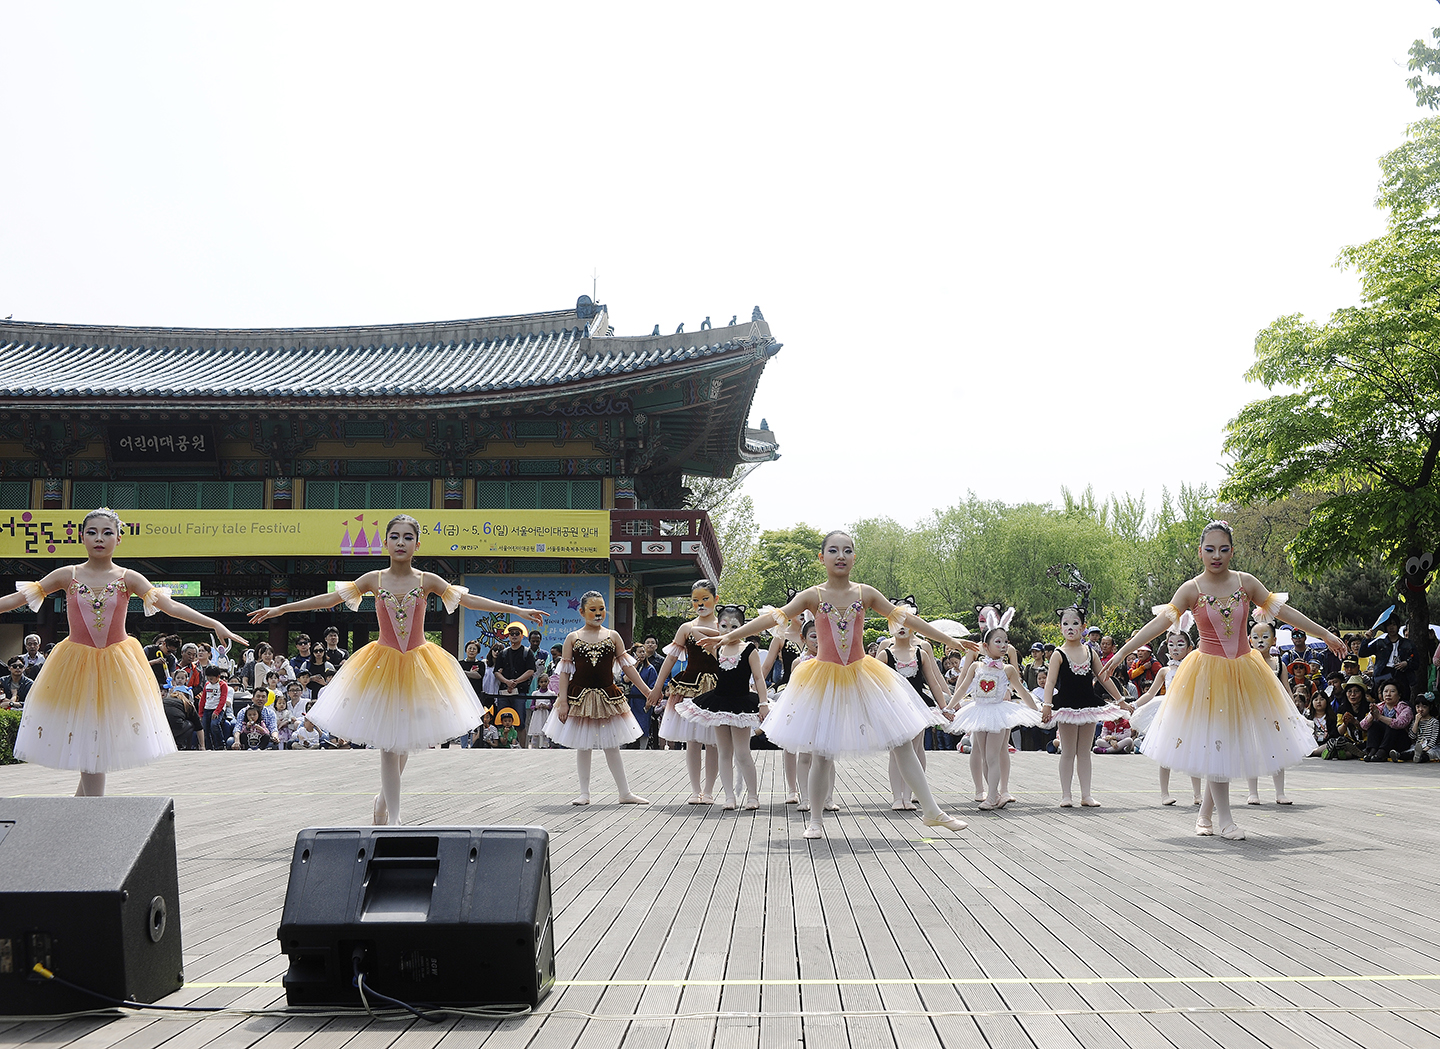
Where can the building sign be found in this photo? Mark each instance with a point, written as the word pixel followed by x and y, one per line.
pixel 313 533
pixel 185 588
pixel 161 443
pixel 557 594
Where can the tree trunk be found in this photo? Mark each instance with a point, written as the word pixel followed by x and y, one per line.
pixel 1417 607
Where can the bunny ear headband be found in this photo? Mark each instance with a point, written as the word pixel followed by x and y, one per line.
pixel 991 620
pixel 1186 621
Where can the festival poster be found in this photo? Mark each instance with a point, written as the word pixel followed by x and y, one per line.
pixel 314 533
pixel 557 594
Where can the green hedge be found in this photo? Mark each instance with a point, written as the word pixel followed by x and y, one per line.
pixel 9 725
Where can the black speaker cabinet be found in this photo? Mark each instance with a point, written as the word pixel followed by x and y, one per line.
pixel 434 915
pixel 89 889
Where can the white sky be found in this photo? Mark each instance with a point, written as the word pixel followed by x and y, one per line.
pixel 972 225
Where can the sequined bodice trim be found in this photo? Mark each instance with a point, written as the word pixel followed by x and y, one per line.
pixel 96 610
pixel 1223 622
pixel 401 614
pixel 844 629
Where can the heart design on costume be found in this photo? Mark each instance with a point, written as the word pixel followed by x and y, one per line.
pixel 987 685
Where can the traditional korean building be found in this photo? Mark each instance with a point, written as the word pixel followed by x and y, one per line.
pixel 542 424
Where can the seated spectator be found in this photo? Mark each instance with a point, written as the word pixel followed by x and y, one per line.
pixel 1143 668
pixel 16 685
pixel 1386 725
pixel 285 719
pixel 1115 737
pixel 1348 738
pixel 1322 722
pixel 1425 729
pixel 306 737
pixel 252 733
pixel 1301 696
pixel 263 702
pixel 509 729
pixel 489 734
pixel 184 719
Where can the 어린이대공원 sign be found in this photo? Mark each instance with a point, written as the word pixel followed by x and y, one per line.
pixel 313 533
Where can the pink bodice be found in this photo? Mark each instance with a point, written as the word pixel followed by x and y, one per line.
pixel 1224 624
pixel 844 641
pixel 402 618
pixel 96 617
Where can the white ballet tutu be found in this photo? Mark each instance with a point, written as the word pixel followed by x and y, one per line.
pixel 834 710
pixel 1084 715
pixel 579 733
pixel 398 701
pixel 993 715
pixel 678 729
pixel 1227 719
pixel 1144 716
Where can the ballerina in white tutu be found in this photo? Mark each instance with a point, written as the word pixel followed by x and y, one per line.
pixel 843 701
pixel 787 646
pixel 1070 703
pixel 991 712
pixel 94 706
pixel 698 673
pixel 1148 705
pixel 1226 715
pixel 401 693
pixel 1262 640
pixel 591 712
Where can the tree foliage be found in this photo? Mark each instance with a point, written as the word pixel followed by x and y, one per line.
pixel 1354 424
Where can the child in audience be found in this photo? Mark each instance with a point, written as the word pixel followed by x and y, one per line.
pixel 1425 729
pixel 544 699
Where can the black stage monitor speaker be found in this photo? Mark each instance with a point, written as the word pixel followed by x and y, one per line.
pixel 88 889
pixel 433 915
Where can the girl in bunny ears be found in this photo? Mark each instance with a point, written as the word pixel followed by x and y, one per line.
pixel 916 664
pixel 733 708
pixel 1226 716
pixel 991 713
pixel 94 707
pixel 843 701
pixel 400 693
pixel 1147 706
pixel 1069 702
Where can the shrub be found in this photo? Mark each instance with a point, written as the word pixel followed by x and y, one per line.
pixel 9 726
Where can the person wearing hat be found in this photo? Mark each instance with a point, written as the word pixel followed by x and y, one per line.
pixel 514 671
pixel 1033 663
pixel 1348 739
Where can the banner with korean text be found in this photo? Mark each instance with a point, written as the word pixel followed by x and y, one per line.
pixel 557 594
pixel 313 533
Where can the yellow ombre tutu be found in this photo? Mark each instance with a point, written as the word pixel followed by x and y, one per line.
pixel 94 709
pixel 400 701
pixel 834 709
pixel 1226 717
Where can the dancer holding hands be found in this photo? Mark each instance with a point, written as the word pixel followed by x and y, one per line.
pixel 401 693
pixel 94 707
pixel 916 664
pixel 591 711
pixel 843 701
pixel 1225 716
pixel 1069 701
pixel 1148 705
pixel 700 673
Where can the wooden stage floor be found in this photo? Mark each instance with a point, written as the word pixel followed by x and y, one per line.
pixel 677 926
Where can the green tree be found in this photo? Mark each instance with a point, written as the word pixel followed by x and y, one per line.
pixel 1355 421
pixel 787 558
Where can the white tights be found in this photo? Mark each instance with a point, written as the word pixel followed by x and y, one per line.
pixel 92 785
pixel 804 769
pixel 692 765
pixel 898 787
pixel 387 808
pixel 1075 743
pixel 1165 783
pixel 617 769
pixel 1278 779
pixel 822 782
pixel 733 745
pixel 1216 806
pixel 792 781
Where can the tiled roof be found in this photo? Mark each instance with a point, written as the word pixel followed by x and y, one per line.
pixel 453 360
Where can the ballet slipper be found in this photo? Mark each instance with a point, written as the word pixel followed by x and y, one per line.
pixel 814 830
pixel 1253 799
pixel 1204 828
pixel 1066 803
pixel 1167 800
pixel 832 807
pixel 793 798
pixel 381 812
pixel 952 823
pixel 751 804
pixel 633 799
pixel 1195 801
pixel 1281 799
pixel 696 799
pixel 1231 832
pixel 707 799
pixel 987 805
pixel 902 806
pixel 1008 799
pixel 804 806
pixel 1090 803
pixel 730 804
pixel 583 799
pixel 979 797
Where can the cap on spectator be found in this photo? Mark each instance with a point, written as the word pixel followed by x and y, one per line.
pixel 516 626
pixel 1143 648
pixel 1094 630
pixel 1037 647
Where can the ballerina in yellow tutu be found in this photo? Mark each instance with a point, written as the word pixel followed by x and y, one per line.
pixel 94 706
pixel 400 693
pixel 844 701
pixel 1225 716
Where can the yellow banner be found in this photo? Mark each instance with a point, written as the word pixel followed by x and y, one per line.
pixel 314 533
